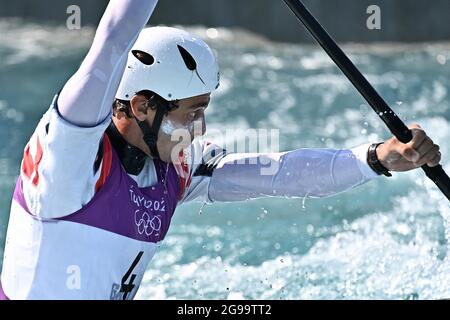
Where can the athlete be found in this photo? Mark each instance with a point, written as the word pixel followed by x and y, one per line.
pixel 102 175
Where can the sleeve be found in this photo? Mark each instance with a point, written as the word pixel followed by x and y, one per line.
pixel 87 97
pixel 58 168
pixel 306 172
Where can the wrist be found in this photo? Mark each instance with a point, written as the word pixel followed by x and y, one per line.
pixel 374 159
pixel 380 154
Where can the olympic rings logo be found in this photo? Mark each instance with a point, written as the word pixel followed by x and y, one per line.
pixel 147 224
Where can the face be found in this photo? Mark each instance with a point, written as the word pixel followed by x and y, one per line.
pixel 190 116
pixel 181 126
pixel 178 128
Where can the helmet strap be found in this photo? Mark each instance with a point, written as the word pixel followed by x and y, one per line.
pixel 151 132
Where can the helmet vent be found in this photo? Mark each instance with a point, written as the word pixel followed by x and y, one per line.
pixel 144 57
pixel 189 61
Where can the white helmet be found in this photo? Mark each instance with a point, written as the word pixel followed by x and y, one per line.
pixel 171 63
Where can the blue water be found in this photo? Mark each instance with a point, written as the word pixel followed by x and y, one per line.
pixel 385 240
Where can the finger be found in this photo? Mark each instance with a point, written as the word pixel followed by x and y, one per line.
pixel 414 126
pixel 435 161
pixel 425 147
pixel 407 152
pixel 430 155
pixel 419 137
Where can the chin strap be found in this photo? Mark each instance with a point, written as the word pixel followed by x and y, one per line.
pixel 151 132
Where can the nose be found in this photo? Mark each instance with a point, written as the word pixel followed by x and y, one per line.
pixel 199 127
pixel 203 126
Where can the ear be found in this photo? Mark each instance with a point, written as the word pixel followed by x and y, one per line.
pixel 139 107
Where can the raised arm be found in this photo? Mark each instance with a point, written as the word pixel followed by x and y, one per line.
pixel 61 166
pixel 87 97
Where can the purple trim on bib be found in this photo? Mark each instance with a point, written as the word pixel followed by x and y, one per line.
pixel 19 196
pixel 2 293
pixel 121 207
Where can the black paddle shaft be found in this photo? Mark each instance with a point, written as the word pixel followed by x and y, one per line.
pixel 390 118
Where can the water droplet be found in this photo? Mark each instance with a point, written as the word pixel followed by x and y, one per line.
pixel 441 59
pixel 201 209
pixel 364 109
pixel 304 202
pixel 212 33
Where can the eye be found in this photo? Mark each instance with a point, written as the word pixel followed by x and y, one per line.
pixel 194 115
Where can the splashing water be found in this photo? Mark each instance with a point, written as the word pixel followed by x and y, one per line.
pixel 387 239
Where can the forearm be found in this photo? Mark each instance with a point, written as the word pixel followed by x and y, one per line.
pixel 300 173
pixel 87 97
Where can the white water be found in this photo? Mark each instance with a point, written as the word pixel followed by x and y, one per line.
pixel 387 239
